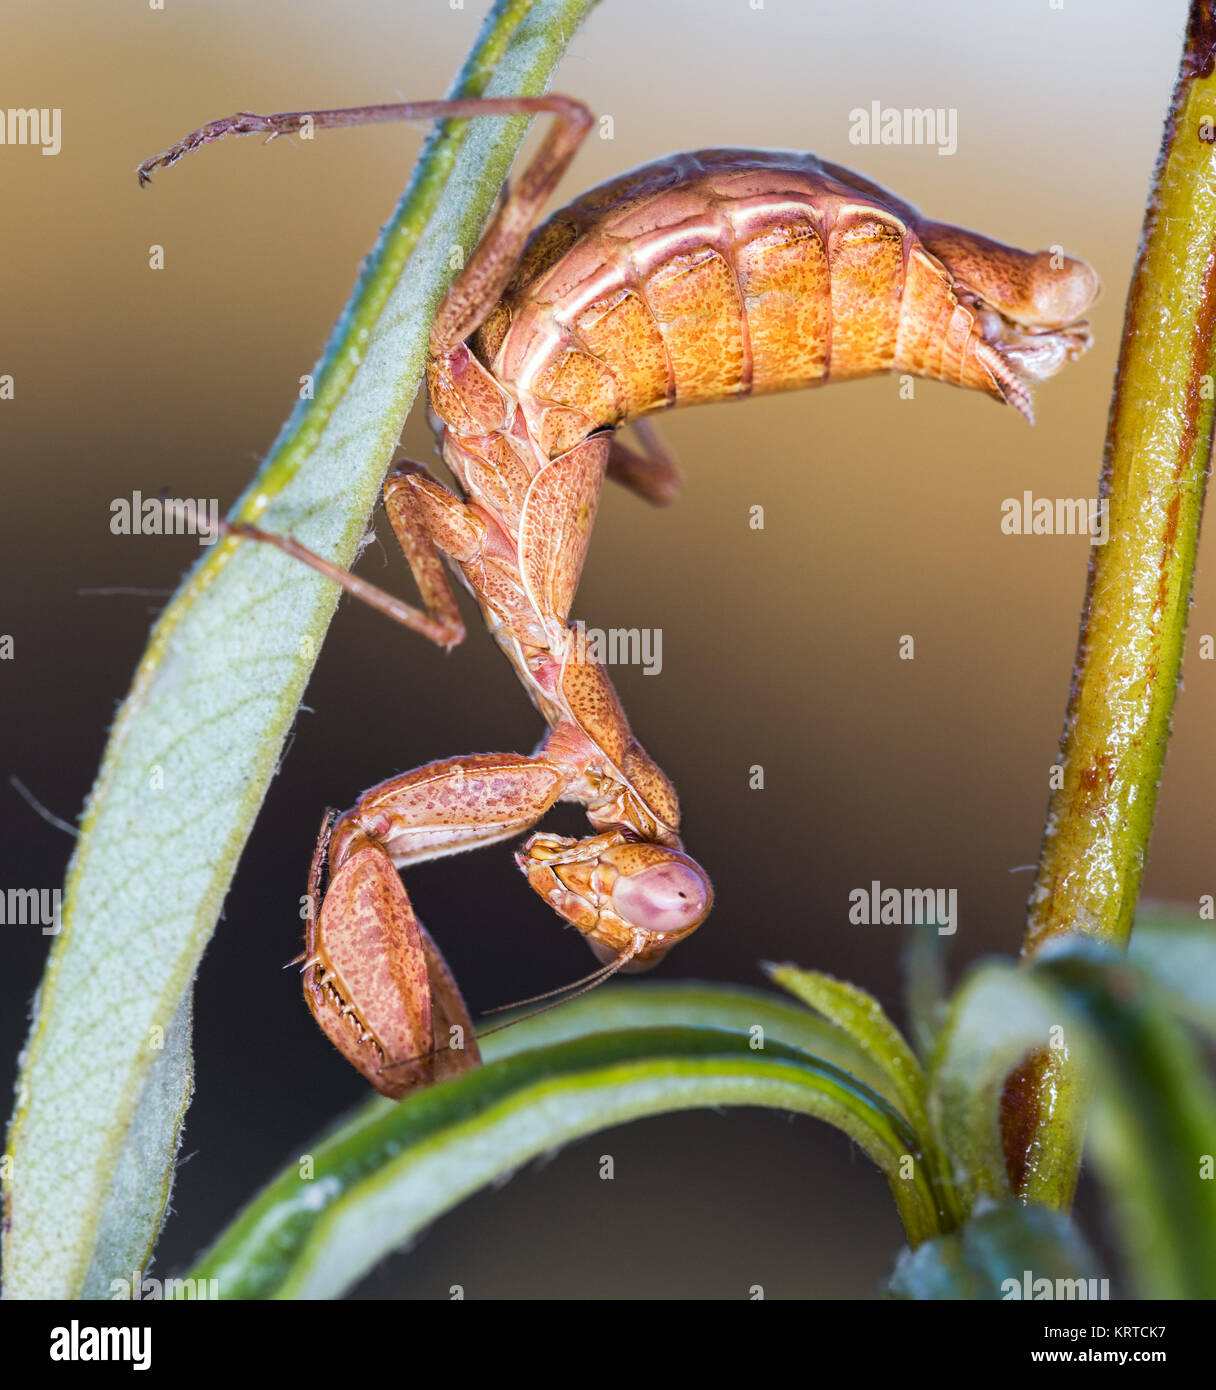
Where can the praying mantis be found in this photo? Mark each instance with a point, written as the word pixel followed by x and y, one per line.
pixel 699 277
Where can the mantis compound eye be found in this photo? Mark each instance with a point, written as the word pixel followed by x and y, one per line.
pixel 665 897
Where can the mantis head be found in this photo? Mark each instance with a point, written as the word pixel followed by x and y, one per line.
pixel 632 900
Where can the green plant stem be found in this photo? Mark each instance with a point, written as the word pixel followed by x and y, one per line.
pixel 1129 658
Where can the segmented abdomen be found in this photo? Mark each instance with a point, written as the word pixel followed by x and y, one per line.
pixel 724 273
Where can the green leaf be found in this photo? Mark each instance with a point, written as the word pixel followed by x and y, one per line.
pixel 199 736
pixel 1177 951
pixel 392 1169
pixel 1153 1129
pixel 645 1005
pixel 923 963
pixel 1153 1126
pixel 990 1257
pixel 139 1194
pixel 690 1003
pixel 862 1018
pixel 998 1015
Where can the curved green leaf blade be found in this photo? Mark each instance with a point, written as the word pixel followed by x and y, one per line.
pixel 675 1004
pixel 378 1180
pixel 1000 1254
pixel 1178 953
pixel 858 1014
pixel 691 1004
pixel 1153 1129
pixel 926 991
pixel 139 1194
pixel 200 734
pixel 998 1015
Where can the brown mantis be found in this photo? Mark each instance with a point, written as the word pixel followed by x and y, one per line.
pixel 695 278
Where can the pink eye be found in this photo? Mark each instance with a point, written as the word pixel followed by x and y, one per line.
pixel 665 897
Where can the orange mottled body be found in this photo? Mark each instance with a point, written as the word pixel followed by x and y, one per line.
pixel 727 273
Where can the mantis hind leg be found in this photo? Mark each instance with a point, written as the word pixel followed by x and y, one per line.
pixel 480 284
pixel 651 471
pixel 428 521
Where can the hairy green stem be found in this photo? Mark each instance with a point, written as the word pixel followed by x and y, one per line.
pixel 1130 653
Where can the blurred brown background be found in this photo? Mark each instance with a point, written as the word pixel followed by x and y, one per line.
pixel 780 647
